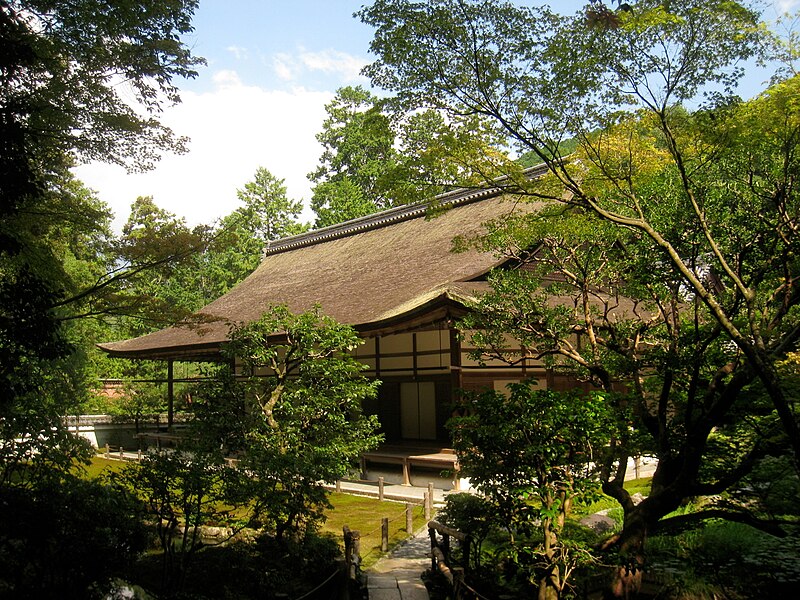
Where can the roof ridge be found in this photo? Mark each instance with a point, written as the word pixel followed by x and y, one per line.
pixel 393 215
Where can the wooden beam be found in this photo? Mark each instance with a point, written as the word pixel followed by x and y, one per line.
pixel 170 395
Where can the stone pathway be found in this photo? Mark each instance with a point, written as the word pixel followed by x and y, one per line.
pixel 398 575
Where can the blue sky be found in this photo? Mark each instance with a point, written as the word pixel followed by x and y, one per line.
pixel 281 43
pixel 272 67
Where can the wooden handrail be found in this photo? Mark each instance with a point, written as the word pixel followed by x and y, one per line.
pixel 445 530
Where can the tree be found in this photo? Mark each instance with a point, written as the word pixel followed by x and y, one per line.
pixel 269 213
pixel 358 149
pixel 67 539
pixel 377 155
pixel 291 412
pixel 688 288
pixel 237 244
pixel 153 255
pixel 61 101
pixel 182 489
pixel 531 453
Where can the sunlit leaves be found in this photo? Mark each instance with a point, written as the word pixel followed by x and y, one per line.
pixel 291 410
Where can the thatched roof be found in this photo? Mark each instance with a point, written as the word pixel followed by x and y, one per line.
pixel 382 273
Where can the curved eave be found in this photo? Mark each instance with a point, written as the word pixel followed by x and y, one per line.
pixel 205 352
pixel 444 306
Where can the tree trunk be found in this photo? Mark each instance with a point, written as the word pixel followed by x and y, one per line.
pixel 548 586
pixel 627 580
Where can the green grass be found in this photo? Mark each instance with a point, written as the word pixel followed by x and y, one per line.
pixel 358 513
pixel 641 486
pixel 100 466
pixel 364 515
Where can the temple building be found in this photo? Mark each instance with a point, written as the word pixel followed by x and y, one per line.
pixel 395 278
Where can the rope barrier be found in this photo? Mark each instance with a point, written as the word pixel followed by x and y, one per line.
pixel 320 586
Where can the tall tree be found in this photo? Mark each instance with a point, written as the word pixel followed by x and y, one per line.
pixel 235 246
pixel 68 73
pixel 292 411
pixel 268 212
pixel 701 203
pixel 377 155
pixel 357 140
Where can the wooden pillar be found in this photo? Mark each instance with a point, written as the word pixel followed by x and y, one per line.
pixel 385 534
pixel 455 363
pixel 170 395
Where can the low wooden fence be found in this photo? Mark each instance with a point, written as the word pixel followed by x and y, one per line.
pixel 442 560
pixel 356 542
pixel 119 453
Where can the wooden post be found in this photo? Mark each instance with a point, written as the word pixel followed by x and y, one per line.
pixel 139 456
pixel 108 450
pixel 170 395
pixel 352 551
pixel 426 501
pixel 348 550
pixel 409 518
pixel 121 456
pixel 380 489
pixel 432 535
pixel 356 553
pixel 406 472
pixel 430 498
pixel 385 534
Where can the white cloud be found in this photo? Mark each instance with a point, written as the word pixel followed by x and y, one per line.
pixel 345 67
pixel 285 67
pixel 226 80
pixel 333 62
pixel 786 5
pixel 233 130
pixel 238 52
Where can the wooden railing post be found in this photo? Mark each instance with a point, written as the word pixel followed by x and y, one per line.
pixel 426 501
pixel 432 534
pixel 352 552
pixel 440 552
pixel 409 518
pixel 385 534
pixel 380 488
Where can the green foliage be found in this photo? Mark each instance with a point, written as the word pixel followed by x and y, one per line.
pixel 532 453
pixel 376 156
pixel 665 255
pixel 237 243
pixel 474 516
pixel 61 102
pixel 181 491
pixel 66 539
pixel 726 559
pixel 291 411
pixel 267 213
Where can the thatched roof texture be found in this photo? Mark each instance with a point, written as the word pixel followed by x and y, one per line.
pixel 377 273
